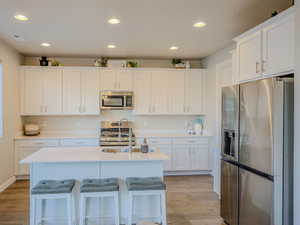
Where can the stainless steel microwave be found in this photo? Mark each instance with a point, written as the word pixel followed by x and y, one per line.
pixel 117 100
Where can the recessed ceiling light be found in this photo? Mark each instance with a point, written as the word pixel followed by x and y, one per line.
pixel 21 17
pixel 173 48
pixel 199 24
pixel 111 46
pixel 45 44
pixel 114 21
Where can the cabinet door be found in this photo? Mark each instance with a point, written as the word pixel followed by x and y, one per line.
pixel 278 47
pixel 194 92
pixel 52 91
pixel 32 86
pixel 160 92
pixel 199 156
pixel 167 149
pixel 176 92
pixel 22 153
pixel 124 80
pixel 71 92
pixel 249 57
pixel 142 93
pixel 108 80
pixel 181 157
pixel 90 92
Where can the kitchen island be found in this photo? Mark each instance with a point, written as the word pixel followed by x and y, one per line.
pixel 91 162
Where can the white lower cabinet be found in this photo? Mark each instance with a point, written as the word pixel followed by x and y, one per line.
pixel 186 153
pixel 24 148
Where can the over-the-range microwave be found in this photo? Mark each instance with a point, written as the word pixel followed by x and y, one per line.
pixel 116 100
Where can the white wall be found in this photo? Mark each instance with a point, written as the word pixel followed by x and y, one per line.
pixel 10 60
pixel 297 119
pixel 90 124
pixel 212 99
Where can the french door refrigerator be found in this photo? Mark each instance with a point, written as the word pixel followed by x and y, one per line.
pixel 257 153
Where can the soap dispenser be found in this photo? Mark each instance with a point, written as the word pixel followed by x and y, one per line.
pixel 145 146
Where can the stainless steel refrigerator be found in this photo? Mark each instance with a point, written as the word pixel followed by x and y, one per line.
pixel 257 152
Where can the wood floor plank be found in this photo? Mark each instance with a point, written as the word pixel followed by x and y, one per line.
pixel 190 201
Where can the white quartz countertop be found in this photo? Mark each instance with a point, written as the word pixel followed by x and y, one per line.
pixel 89 154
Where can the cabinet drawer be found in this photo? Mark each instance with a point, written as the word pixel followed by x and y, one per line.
pixel 199 141
pixel 37 143
pixel 156 141
pixel 80 142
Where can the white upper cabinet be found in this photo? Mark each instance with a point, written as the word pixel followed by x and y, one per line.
pixel 116 80
pixel 125 80
pixel 142 92
pixel 176 96
pixel 194 93
pixel 81 92
pixel 249 56
pixel 71 92
pixel 279 45
pixel 268 49
pixel 169 92
pixel 160 92
pixel 41 92
pixel 90 92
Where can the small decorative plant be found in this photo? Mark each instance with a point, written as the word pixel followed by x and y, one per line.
pixel 132 64
pixel 178 63
pixel 55 63
pixel 103 61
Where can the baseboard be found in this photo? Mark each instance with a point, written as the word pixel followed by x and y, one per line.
pixel 187 173
pixel 7 183
pixel 22 177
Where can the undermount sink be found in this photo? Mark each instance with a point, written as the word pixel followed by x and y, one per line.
pixel 125 149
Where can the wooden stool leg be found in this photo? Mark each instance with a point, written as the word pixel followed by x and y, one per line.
pixel 117 215
pixel 163 208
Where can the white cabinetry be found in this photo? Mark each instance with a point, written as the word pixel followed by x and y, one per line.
pixel 116 80
pixel 24 148
pixel 142 92
pixel 194 94
pixel 81 92
pixel 268 49
pixel 249 56
pixel 186 153
pixel 279 45
pixel 169 92
pixel 41 92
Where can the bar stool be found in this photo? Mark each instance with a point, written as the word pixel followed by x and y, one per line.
pixel 143 187
pixel 51 189
pixel 99 188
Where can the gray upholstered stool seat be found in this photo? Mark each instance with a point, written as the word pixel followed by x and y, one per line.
pixel 53 187
pixel 99 185
pixel 145 183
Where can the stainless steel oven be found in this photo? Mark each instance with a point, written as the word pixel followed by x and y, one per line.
pixel 116 100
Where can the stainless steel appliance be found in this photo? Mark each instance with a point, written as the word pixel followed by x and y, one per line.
pixel 116 100
pixel 117 133
pixel 257 153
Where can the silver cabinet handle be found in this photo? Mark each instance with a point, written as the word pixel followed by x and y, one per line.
pixel 257 67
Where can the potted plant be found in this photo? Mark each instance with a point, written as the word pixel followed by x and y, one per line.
pixel 132 64
pixel 178 63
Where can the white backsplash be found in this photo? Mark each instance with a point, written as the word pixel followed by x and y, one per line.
pixel 75 124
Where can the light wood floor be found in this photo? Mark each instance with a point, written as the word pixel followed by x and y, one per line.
pixel 190 201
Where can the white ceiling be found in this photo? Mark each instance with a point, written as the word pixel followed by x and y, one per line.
pixel 147 28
